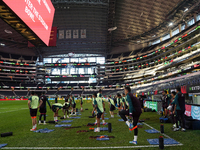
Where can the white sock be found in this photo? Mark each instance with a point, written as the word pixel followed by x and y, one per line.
pixel 127 117
pixel 112 116
pixel 135 138
pixel 96 121
pixel 128 123
pixel 44 121
pixel 67 116
pixel 64 116
pixel 75 113
pixel 103 121
pixel 98 129
pixel 35 125
pixel 39 121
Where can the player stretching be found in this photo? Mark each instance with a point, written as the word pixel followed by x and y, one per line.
pixel 56 107
pixel 73 105
pixel 99 95
pixel 98 106
pixel 112 106
pixel 81 98
pixel 33 106
pixel 134 112
pixel 66 106
pixel 43 109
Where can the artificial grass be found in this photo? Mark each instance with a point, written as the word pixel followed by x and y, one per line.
pixel 14 117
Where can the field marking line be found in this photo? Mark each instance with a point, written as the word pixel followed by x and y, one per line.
pixel 114 147
pixel 160 132
pixel 12 110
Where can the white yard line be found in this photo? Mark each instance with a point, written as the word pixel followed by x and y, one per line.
pixel 160 132
pixel 114 147
pixel 12 110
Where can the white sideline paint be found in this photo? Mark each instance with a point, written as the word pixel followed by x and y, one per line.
pixel 12 110
pixel 158 131
pixel 114 147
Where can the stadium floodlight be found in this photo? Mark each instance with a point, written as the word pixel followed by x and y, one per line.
pixel 186 10
pixel 171 24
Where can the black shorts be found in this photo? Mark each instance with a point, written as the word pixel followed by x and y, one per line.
pixel 74 105
pixel 53 108
pixel 65 107
pixel 99 115
pixel 33 112
pixel 81 103
pixel 112 107
pixel 43 110
pixel 126 107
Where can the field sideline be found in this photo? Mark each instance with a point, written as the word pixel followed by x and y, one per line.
pixel 14 117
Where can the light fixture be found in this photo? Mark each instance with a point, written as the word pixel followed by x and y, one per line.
pixel 154 36
pixel 2 44
pixel 171 24
pixel 138 41
pixel 186 10
pixel 8 31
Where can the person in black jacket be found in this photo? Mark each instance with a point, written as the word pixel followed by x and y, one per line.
pixel 134 112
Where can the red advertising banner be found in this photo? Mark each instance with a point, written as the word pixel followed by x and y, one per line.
pixel 184 89
pixel 188 110
pixel 36 14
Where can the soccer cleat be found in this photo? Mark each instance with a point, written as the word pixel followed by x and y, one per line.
pixel 33 129
pixel 174 125
pixel 96 130
pixel 44 123
pixel 95 123
pixel 176 129
pixel 56 120
pixel 133 142
pixel 183 129
pixel 67 116
pixel 104 123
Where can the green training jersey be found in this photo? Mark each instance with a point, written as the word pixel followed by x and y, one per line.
pixel 93 100
pixel 111 101
pixel 99 103
pixel 73 101
pixel 57 105
pixel 125 101
pixel 34 102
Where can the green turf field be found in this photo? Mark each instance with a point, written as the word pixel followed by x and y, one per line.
pixel 14 117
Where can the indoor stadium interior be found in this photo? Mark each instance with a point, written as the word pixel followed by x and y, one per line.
pixel 136 62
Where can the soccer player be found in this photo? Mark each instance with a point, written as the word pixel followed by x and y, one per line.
pixel 66 106
pixel 134 112
pixel 55 108
pixel 112 106
pixel 56 99
pixel 33 106
pixel 43 109
pixel 165 102
pixel 141 101
pixel 125 103
pixel 98 103
pixel 81 98
pixel 73 105
pixel 99 95
pixel 179 109
pixel 119 101
pixel 173 94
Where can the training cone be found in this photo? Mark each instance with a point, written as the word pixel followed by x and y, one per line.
pixel 6 134
pixel 162 128
pixel 161 142
pixel 109 127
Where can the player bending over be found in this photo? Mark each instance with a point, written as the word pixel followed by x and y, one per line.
pixel 43 108
pixel 98 105
pixel 112 106
pixel 66 106
pixel 55 108
pixel 134 112
pixel 33 106
pixel 119 102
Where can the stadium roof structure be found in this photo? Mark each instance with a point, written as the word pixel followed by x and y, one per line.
pixel 137 22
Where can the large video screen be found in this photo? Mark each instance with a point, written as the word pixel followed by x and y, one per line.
pixel 36 14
